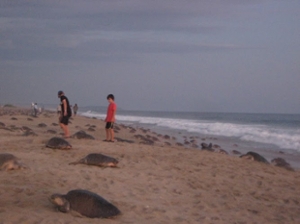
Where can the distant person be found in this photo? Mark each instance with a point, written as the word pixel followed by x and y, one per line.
pixel 110 118
pixel 65 114
pixel 75 109
pixel 32 109
pixel 35 108
pixel 59 109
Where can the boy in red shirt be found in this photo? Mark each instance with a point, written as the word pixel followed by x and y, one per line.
pixel 110 118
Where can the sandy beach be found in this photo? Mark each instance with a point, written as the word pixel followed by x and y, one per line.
pixel 156 181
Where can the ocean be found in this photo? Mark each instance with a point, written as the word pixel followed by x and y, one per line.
pixel 269 131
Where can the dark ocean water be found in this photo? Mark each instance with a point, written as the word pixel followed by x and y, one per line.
pixel 280 130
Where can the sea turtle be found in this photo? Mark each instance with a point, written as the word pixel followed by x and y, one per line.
pixel 222 151
pixel 97 159
pixel 208 147
pixel 236 152
pixel 84 203
pixel 123 140
pixel 42 125
pixel 9 162
pixel 281 163
pixel 58 143
pixel 254 156
pixel 50 131
pixel 82 135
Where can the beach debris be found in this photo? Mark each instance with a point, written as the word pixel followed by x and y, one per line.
pixel 54 124
pixel 14 118
pixel 42 125
pixel 29 119
pixel 84 203
pixel 82 135
pixel 208 147
pixel 254 156
pixel 97 159
pixel 58 143
pixel 10 162
pixel 2 125
pixel 281 163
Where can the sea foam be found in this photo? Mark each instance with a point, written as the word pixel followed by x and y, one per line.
pixel 283 137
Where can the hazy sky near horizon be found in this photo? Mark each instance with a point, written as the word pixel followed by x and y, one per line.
pixel 180 55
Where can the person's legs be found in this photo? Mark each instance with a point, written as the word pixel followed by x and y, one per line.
pixel 64 125
pixel 65 129
pixel 112 134
pixel 107 134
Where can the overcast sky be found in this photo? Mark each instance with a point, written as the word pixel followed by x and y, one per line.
pixel 178 55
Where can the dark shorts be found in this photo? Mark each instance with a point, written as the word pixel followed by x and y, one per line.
pixel 109 125
pixel 64 120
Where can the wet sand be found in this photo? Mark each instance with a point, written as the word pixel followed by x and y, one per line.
pixel 157 181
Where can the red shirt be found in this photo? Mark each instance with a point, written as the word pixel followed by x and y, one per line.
pixel 112 107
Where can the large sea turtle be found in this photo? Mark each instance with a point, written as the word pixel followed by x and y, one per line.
pixel 208 147
pixel 254 156
pixel 9 162
pixel 84 203
pixel 58 143
pixel 281 163
pixel 97 159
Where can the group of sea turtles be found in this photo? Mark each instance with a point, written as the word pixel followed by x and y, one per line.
pixel 85 203
pixel 82 202
pixel 280 162
pixel 78 202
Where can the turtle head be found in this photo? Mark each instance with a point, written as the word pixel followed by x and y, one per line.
pixel 59 200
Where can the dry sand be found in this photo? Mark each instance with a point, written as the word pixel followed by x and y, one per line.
pixel 153 184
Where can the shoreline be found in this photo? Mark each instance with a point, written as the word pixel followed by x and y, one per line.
pixel 244 128
pixel 155 183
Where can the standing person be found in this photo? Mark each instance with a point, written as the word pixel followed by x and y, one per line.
pixel 35 108
pixel 32 109
pixel 110 118
pixel 65 114
pixel 75 109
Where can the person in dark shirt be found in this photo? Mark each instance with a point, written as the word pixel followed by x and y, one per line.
pixel 65 114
